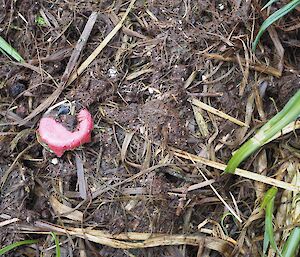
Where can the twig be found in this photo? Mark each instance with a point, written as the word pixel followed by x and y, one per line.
pixel 81 177
pixel 79 46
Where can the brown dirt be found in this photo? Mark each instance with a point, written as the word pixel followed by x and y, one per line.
pixel 169 40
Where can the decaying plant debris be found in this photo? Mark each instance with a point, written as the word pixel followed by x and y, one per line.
pixel 174 89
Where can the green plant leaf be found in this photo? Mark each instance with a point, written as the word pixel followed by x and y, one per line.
pixel 39 20
pixel 223 221
pixel 273 18
pixel 57 246
pixel 291 246
pixel 9 50
pixel 289 113
pixel 269 230
pixel 15 245
pixel 269 195
pixel 266 242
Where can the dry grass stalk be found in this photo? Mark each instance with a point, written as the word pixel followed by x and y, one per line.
pixel 200 121
pixel 125 145
pixel 194 186
pixel 98 50
pixel 80 45
pixel 47 102
pixel 210 82
pixel 259 101
pixel 257 67
pixel 82 183
pixel 232 211
pixel 132 240
pixel 137 74
pixel 190 79
pixel 288 212
pixel 217 112
pixel 100 191
pixel 44 105
pixel 65 211
pixel 288 129
pixel 247 68
pixel 239 172
pixel 7 222
pixel 260 167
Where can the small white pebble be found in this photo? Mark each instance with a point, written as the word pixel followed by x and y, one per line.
pixel 54 161
pixel 151 91
pixel 142 130
pixel 112 72
pixel 221 6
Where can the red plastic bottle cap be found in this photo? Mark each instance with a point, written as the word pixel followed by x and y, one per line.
pixel 59 139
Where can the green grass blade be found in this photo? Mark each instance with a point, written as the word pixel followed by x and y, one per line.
pixel 266 243
pixel 289 113
pixel 273 18
pixel 269 217
pixel 269 195
pixel 291 246
pixel 9 50
pixel 241 154
pixel 57 246
pixel 223 222
pixel 268 4
pixel 15 245
pixel 268 198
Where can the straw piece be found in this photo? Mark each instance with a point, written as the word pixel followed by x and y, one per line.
pixel 133 240
pixel 258 67
pixel 64 210
pixel 137 74
pixel 217 112
pixel 200 121
pixel 240 172
pixel 7 222
pixel 287 129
